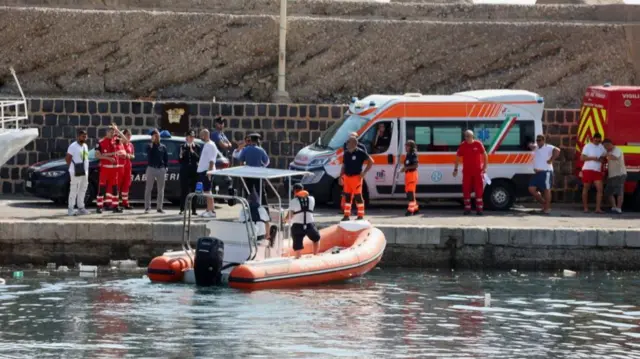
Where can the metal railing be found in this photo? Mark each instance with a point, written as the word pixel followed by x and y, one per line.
pixel 12 111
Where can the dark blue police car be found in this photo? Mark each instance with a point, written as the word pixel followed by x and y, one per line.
pixel 50 179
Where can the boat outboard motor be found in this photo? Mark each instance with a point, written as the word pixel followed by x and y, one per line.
pixel 207 265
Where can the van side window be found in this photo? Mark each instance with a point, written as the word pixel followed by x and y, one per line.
pixel 377 139
pixel 436 136
pixel 518 138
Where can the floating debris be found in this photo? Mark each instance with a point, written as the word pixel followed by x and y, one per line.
pixel 63 269
pixel 18 274
pixel 568 273
pixel 43 273
pixel 51 266
pixel 2 281
pixel 124 264
pixel 514 271
pixel 84 268
pixel 487 299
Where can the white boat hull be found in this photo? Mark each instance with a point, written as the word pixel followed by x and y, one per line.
pixel 13 140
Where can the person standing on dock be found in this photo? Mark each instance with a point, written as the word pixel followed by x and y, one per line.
pixel 302 221
pixel 207 163
pixel 410 170
pixel 120 155
pixel 253 155
pixel 617 175
pixel 474 166
pixel 351 177
pixel 344 148
pixel 108 179
pixel 189 158
pixel 593 153
pixel 543 156
pixel 125 177
pixel 78 160
pixel 158 164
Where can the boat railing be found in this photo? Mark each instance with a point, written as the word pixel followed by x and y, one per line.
pixel 186 232
pixel 12 111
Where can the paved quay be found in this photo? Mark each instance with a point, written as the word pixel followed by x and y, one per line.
pixel 36 231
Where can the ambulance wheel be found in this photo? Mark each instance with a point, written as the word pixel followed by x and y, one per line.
pixel 499 196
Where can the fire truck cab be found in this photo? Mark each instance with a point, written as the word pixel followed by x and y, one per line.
pixel 614 112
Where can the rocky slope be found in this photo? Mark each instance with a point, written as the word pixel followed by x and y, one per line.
pixel 344 50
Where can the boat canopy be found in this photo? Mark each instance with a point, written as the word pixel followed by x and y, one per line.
pixel 258 173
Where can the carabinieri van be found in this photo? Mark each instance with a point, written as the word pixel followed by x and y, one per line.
pixel 506 121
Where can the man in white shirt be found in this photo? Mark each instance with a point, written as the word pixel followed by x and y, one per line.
pixel 617 175
pixel 302 221
pixel 543 156
pixel 78 160
pixel 592 154
pixel 207 163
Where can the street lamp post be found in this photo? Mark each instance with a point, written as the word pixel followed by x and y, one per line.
pixel 281 95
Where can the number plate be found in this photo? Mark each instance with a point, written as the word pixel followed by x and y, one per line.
pixel 28 184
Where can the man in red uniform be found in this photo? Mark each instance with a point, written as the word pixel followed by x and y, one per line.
pixel 474 166
pixel 124 172
pixel 105 152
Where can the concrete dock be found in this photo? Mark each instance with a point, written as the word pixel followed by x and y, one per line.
pixel 37 232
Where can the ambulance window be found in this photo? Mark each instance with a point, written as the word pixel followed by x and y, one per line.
pixel 517 138
pixel 378 143
pixel 446 137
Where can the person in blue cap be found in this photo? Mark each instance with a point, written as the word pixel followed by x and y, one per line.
pixel 253 155
pixel 158 164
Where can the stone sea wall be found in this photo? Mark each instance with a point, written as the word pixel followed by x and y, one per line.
pixel 285 129
pixel 334 51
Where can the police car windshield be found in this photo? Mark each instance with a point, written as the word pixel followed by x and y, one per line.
pixel 336 135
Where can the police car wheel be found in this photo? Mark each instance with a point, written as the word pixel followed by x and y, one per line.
pixel 499 196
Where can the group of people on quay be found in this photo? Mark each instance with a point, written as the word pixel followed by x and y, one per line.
pixel 116 153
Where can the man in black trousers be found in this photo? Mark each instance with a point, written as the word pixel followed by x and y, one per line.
pixel 189 157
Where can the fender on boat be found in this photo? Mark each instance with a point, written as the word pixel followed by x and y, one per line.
pixel 347 250
pixel 169 267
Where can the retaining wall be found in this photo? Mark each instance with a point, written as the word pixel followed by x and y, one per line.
pixel 331 54
pixel 285 129
pixel 408 246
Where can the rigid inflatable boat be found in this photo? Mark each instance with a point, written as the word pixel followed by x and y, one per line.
pixel 230 253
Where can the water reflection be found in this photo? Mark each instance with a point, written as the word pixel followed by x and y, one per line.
pixel 389 314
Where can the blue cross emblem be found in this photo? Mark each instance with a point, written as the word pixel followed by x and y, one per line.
pixel 484 134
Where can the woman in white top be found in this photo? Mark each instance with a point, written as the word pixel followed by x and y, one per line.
pixel 78 160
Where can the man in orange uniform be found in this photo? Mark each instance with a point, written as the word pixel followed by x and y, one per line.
pixel 351 177
pixel 474 166
pixel 108 173
pixel 344 148
pixel 410 170
pixel 124 173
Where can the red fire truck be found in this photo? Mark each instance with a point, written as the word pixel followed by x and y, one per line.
pixel 614 112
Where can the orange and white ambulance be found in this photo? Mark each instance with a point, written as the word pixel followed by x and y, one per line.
pixel 614 112
pixel 506 121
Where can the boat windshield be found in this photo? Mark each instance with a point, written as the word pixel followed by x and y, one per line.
pixel 336 135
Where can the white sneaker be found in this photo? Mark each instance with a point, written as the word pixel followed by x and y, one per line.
pixel 71 212
pixel 212 214
pixel 204 214
pixel 617 210
pixel 82 212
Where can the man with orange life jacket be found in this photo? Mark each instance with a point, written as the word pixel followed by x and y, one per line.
pixel 410 170
pixel 302 221
pixel 351 176
pixel 108 181
pixel 474 166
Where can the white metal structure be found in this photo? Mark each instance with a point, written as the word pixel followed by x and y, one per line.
pixel 504 120
pixel 239 238
pixel 12 137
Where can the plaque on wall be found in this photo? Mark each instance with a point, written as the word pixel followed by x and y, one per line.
pixel 175 118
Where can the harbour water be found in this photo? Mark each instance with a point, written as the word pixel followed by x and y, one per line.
pixel 387 314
